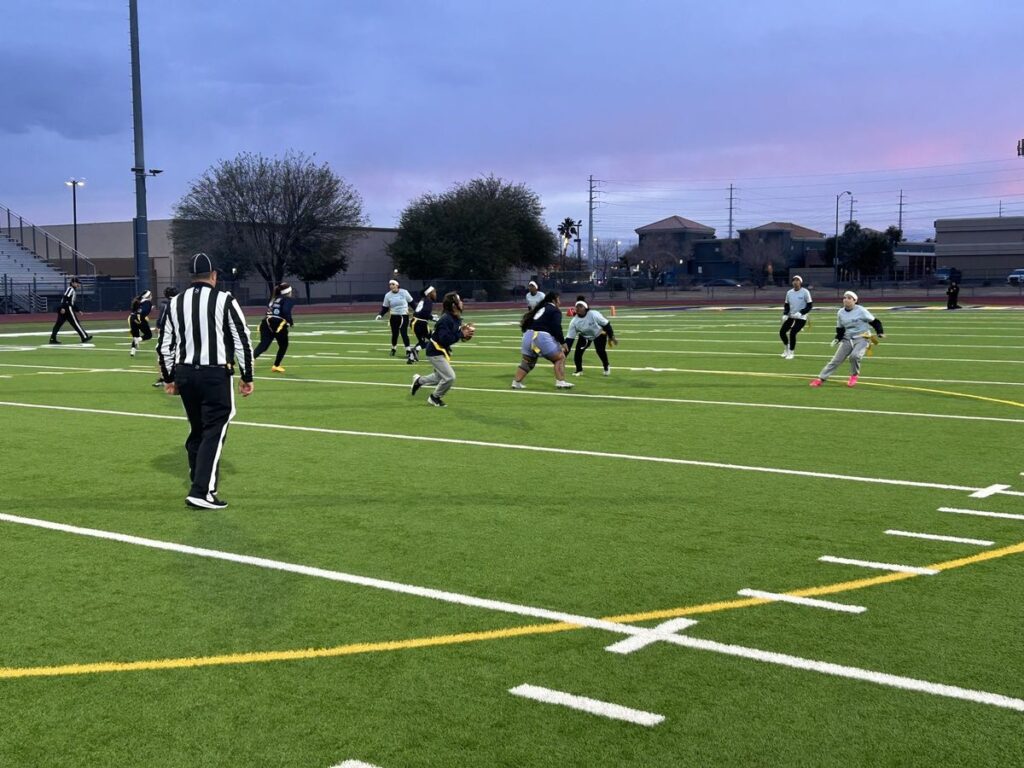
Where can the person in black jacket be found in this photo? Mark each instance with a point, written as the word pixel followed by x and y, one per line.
pixel 68 313
pixel 138 320
pixel 276 324
pixel 448 331
pixel 422 314
pixel 542 337
pixel 953 295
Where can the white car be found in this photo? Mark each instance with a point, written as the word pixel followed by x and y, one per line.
pixel 1016 277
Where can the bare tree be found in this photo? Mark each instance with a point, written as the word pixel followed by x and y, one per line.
pixel 273 215
pixel 759 254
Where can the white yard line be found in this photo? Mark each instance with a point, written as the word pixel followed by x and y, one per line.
pixel 938 537
pixel 769 657
pixel 354 764
pixel 879 566
pixel 807 601
pixel 584 704
pixel 981 513
pixel 539 449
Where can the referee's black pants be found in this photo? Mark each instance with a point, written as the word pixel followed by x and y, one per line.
pixel 209 403
pixel 67 316
pixel 400 324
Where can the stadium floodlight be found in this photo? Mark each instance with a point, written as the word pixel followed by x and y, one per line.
pixel 74 184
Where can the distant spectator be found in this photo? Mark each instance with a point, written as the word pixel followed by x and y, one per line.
pixel 952 294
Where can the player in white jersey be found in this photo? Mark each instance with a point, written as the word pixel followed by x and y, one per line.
pixel 797 306
pixel 856 330
pixel 592 328
pixel 534 296
pixel 398 302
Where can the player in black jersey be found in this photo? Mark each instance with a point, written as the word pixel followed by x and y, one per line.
pixel 138 320
pixel 276 324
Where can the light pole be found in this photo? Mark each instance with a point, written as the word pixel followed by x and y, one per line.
pixel 835 262
pixel 74 184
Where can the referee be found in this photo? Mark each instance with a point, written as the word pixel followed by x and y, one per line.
pixel 68 312
pixel 201 336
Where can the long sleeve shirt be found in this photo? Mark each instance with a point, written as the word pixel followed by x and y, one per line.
pixel 447 332
pixel 396 302
pixel 856 322
pixel 798 302
pixel 281 307
pixel 548 318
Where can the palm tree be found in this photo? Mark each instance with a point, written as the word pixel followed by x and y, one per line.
pixel 568 230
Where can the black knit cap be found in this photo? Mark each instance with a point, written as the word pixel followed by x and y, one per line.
pixel 201 264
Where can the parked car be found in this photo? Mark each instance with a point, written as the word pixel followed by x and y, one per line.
pixel 1016 277
pixel 946 274
pixel 723 282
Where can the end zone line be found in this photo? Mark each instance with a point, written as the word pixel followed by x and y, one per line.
pixel 937 537
pixel 808 601
pixel 584 704
pixel 879 566
pixel 538 449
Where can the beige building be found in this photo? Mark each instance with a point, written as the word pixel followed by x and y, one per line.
pixel 109 246
pixel 981 248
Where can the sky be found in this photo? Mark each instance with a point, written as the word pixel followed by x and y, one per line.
pixel 664 102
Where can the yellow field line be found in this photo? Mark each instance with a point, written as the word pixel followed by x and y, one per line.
pixel 1014 403
pixel 258 657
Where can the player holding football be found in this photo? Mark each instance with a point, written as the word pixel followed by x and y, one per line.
pixel 448 331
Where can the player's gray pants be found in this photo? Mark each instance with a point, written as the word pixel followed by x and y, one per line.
pixel 855 349
pixel 443 376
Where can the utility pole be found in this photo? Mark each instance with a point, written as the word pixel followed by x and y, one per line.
pixel 900 224
pixel 730 212
pixel 141 224
pixel 579 245
pixel 591 256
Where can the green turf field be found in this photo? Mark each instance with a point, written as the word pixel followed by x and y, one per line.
pixel 386 572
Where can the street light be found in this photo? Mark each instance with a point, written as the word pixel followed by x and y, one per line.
pixel 75 184
pixel 835 262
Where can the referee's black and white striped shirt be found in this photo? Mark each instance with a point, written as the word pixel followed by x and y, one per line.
pixel 204 326
pixel 68 300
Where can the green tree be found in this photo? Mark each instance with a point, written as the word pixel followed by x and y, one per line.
pixel 272 215
pixel 864 252
pixel 477 231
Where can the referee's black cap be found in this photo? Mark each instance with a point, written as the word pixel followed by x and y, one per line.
pixel 201 264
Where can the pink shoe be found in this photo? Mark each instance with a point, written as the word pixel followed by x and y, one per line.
pixel 816 382
pixel 852 381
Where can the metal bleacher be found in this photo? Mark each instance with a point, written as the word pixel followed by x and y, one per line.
pixel 35 266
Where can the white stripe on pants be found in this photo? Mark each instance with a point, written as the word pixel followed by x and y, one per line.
pixel 443 376
pixel 855 349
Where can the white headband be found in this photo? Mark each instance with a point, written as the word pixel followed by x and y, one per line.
pixel 287 291
pixel 582 304
pixel 796 277
pixel 852 295
pixel 429 290
pixel 392 282
pixel 532 284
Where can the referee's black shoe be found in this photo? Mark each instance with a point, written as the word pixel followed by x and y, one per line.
pixel 209 501
pixel 87 339
pixel 54 341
